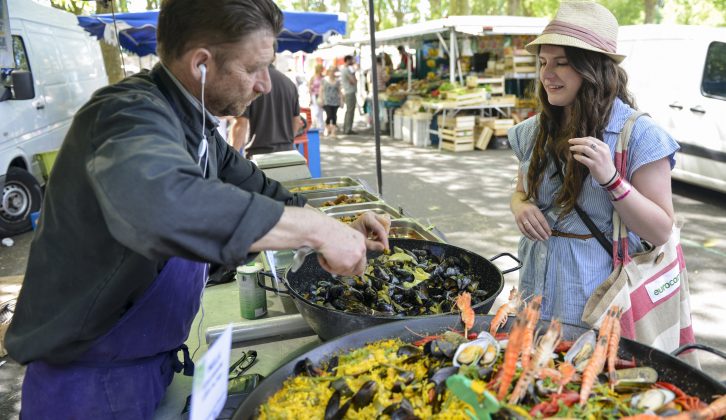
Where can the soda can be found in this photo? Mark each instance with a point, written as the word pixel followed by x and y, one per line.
pixel 252 298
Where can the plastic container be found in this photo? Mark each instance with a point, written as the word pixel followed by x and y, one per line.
pixel 34 219
pixel 407 128
pixel 252 298
pixel 420 130
pixel 397 125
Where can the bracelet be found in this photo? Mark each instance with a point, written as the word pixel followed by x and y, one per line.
pixel 619 189
pixel 615 175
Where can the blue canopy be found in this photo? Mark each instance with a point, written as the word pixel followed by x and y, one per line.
pixel 302 31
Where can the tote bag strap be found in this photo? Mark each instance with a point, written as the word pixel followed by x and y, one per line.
pixel 620 231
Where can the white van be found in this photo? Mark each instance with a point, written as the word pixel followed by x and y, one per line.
pixel 678 75
pixel 57 68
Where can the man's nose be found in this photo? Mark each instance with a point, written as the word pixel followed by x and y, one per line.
pixel 263 84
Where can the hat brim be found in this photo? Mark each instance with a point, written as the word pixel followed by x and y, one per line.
pixel 567 41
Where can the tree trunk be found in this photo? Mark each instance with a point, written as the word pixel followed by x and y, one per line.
pixel 436 9
pixel 397 10
pixel 459 8
pixel 152 4
pixel 649 6
pixel 513 7
pixel 111 57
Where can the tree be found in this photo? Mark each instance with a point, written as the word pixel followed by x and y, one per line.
pixel 459 8
pixel 152 4
pixel 649 6
pixel 111 55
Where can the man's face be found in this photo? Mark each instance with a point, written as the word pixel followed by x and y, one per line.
pixel 243 77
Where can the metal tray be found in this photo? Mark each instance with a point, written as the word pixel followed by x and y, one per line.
pixel 354 210
pixel 321 184
pixel 411 229
pixel 316 199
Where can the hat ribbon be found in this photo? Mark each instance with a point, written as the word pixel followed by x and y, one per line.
pixel 583 34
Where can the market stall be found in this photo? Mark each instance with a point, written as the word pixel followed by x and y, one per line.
pixel 470 65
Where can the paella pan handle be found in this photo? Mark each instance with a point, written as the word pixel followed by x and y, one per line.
pixel 509 270
pixel 704 347
pixel 269 289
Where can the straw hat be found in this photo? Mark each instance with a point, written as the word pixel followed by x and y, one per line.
pixel 581 24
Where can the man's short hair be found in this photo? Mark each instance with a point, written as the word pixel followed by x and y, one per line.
pixel 347 58
pixel 187 24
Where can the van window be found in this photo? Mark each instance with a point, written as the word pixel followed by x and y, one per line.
pixel 21 58
pixel 714 73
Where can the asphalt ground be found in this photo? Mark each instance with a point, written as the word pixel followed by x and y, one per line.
pixel 465 196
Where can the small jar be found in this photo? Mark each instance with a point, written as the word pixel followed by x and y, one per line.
pixel 252 298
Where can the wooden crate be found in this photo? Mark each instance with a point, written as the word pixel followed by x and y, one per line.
pixel 501 126
pixel 463 122
pixel 457 146
pixel 483 135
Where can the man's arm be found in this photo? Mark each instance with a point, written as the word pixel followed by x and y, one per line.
pixel 298 124
pixel 238 133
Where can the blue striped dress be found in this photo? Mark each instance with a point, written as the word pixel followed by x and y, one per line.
pixel 565 270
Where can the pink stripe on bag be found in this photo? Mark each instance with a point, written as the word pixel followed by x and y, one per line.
pixel 687 336
pixel 681 258
pixel 627 325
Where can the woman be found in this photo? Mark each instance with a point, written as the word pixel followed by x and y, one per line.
pixel 585 104
pixel 316 99
pixel 331 101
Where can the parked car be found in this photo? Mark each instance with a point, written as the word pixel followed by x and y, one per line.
pixel 678 76
pixel 56 68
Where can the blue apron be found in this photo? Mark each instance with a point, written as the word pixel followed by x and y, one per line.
pixel 125 372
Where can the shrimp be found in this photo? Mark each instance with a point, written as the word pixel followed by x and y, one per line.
pixel 532 313
pixel 545 346
pixel 613 344
pixel 508 308
pixel 715 410
pixel 567 371
pixel 511 354
pixel 598 358
pixel 467 314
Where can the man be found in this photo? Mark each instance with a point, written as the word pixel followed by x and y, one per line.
pixel 350 87
pixel 144 190
pixel 272 119
pixel 403 64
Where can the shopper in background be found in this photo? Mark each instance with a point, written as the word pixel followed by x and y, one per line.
pixel 270 122
pixel 332 98
pixel 350 88
pixel 315 86
pixel 585 103
pixel 403 64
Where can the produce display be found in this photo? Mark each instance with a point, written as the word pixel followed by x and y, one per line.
pixel 404 282
pixel 522 374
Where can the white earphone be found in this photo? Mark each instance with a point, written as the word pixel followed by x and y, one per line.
pixel 203 143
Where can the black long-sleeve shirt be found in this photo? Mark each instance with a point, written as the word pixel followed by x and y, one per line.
pixel 125 195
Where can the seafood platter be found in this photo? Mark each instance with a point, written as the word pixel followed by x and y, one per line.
pixel 508 366
pixel 320 184
pixel 345 213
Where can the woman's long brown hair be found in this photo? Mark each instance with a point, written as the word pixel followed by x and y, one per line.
pixel 603 80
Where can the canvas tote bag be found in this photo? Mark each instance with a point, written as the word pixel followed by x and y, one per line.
pixel 650 286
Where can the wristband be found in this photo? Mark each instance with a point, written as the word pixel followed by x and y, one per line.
pixel 612 179
pixel 619 189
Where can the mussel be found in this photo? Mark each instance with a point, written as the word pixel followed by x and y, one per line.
pixel 483 350
pixel 580 352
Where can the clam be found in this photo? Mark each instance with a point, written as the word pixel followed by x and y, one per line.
pixel 652 400
pixel 581 350
pixel 483 350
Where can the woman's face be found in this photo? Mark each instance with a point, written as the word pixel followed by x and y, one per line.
pixel 559 79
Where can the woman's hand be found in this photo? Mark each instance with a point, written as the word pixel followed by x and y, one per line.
pixel 594 154
pixel 530 219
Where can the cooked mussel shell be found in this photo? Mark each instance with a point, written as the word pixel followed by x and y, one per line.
pixel 408 350
pixel 485 349
pixel 365 394
pixel 402 410
pixel 341 386
pixel 581 350
pixel 440 349
pixel 439 376
pixel 334 411
pixel 306 367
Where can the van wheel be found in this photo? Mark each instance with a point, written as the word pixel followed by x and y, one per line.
pixel 21 195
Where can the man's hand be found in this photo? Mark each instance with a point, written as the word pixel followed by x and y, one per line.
pixel 375 227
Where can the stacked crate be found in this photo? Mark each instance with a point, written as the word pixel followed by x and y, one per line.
pixel 457 133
